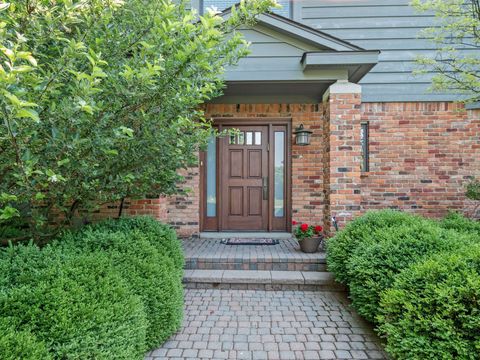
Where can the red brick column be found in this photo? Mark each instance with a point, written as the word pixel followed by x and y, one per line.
pixel 343 155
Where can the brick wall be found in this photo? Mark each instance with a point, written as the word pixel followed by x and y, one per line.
pixel 344 153
pixel 183 209
pixel 308 198
pixel 421 155
pixel 155 207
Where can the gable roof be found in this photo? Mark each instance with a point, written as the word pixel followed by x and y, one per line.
pixel 292 62
pixel 305 33
pixel 301 32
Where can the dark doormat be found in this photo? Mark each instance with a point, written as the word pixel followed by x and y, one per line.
pixel 250 241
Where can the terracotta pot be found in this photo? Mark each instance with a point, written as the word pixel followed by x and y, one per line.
pixel 310 245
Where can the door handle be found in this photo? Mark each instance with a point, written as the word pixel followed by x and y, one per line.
pixel 265 187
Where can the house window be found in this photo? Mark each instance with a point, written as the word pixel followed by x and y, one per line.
pixel 212 177
pixel 279 174
pixel 364 138
pixel 224 4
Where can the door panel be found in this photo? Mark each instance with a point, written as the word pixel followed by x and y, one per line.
pixel 236 201
pixel 243 167
pixel 254 201
pixel 236 157
pixel 255 163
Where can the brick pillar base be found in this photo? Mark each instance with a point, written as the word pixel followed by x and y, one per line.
pixel 343 155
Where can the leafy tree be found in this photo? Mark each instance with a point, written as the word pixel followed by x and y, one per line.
pixel 457 39
pixel 100 99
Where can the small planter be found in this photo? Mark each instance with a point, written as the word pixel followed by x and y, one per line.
pixel 310 245
pixel 309 237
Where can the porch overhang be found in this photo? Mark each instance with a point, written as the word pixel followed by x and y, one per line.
pixel 292 63
pixel 302 79
pixel 356 63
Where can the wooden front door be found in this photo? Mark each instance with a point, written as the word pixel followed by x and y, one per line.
pixel 245 185
pixel 246 178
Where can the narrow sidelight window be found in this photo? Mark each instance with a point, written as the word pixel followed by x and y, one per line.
pixel 212 177
pixel 279 174
pixel 364 138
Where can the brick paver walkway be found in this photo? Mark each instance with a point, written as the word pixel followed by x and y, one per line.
pixel 252 324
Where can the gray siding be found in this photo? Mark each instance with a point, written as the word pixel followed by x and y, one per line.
pixel 273 56
pixel 391 26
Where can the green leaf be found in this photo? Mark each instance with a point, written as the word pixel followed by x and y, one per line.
pixel 28 113
pixel 17 102
pixel 4 6
pixel 8 213
pixel 4 197
pixel 63 162
pixel 39 196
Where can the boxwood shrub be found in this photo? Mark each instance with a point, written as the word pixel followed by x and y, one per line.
pixel 458 222
pixel 20 344
pixel 162 236
pixel 109 291
pixel 432 311
pixel 373 265
pixel 150 273
pixel 358 231
pixel 76 304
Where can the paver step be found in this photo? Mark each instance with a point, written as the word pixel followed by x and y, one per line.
pixel 261 280
pixel 265 264
pixel 211 254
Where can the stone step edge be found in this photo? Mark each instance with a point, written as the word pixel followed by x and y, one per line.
pixel 260 266
pixel 242 260
pixel 267 287
pixel 264 277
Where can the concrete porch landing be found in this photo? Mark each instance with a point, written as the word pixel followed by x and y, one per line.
pixel 210 254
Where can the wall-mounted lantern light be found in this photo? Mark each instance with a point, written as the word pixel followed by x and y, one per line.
pixel 302 136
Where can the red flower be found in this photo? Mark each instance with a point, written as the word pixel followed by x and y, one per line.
pixel 304 227
pixel 294 222
pixel 318 229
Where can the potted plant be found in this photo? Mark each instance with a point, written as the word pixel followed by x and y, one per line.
pixel 309 237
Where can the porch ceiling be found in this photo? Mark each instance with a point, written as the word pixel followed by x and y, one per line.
pixel 292 63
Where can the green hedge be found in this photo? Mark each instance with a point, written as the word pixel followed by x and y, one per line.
pixel 78 306
pixel 401 274
pixel 151 274
pixel 360 230
pixel 17 344
pixel 456 221
pixel 162 236
pixel 433 309
pixel 373 265
pixel 109 291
